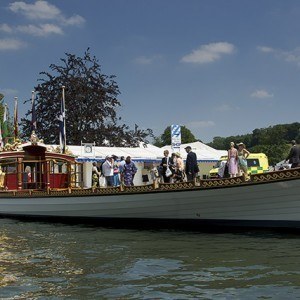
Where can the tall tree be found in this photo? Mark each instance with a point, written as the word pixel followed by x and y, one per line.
pixel 91 105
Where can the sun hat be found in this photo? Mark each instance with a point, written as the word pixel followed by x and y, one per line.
pixel 178 154
pixel 241 144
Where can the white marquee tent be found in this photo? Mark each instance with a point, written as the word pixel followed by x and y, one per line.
pixel 204 153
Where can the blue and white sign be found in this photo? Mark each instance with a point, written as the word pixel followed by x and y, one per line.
pixel 175 136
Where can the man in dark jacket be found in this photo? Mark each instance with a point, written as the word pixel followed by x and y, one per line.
pixel 294 155
pixel 191 165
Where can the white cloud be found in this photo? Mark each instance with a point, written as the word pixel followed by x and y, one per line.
pixel 261 94
pixel 200 124
pixel 6 28
pixel 209 53
pixel 291 56
pixel 74 20
pixel 40 30
pixel 265 49
pixel 42 10
pixel 39 10
pixel 11 44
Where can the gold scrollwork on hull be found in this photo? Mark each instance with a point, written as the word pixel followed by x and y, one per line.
pixel 108 191
pixel 221 182
pixel 60 192
pixel 176 186
pixel 138 189
pixel 277 175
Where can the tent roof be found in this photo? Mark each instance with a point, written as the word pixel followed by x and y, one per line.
pixel 203 151
pixel 143 153
pixel 146 152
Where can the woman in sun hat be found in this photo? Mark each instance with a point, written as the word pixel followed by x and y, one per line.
pixel 179 168
pixel 232 160
pixel 243 153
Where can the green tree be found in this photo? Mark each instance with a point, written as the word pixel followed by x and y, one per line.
pixel 273 141
pixel 275 153
pixel 91 101
pixel 165 138
pixel 7 128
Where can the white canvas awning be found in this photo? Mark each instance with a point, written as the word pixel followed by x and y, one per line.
pixel 203 152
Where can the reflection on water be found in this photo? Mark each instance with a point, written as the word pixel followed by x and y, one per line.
pixel 55 261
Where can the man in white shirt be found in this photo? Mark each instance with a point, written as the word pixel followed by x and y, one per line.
pixel 108 170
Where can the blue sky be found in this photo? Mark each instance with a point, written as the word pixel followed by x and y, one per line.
pixel 219 67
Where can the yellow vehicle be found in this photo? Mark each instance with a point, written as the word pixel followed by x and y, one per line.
pixel 257 163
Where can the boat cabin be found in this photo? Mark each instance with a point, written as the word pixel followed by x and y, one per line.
pixel 36 166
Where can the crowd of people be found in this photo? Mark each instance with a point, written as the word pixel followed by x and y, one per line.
pixel 172 168
pixel 114 172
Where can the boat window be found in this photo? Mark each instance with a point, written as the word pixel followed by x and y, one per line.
pixel 76 175
pixel 32 174
pixel 59 167
pixel 252 162
pixel 9 167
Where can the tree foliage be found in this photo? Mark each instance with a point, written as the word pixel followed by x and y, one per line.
pixel 273 141
pixel 165 138
pixel 91 101
pixel 7 130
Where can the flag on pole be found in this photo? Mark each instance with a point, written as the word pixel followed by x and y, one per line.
pixel 16 118
pixel 4 127
pixel 1 139
pixel 33 114
pixel 62 123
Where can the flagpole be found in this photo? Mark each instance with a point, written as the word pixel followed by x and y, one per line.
pixel 33 116
pixel 1 138
pixel 64 119
pixel 4 127
pixel 16 119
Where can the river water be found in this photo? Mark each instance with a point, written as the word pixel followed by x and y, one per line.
pixel 57 261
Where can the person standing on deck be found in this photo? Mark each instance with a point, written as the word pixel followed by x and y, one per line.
pixel 243 153
pixel 108 170
pixel 232 160
pixel 294 155
pixel 166 163
pixel 129 171
pixel 191 165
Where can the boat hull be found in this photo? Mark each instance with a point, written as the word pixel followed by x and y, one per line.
pixel 259 203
